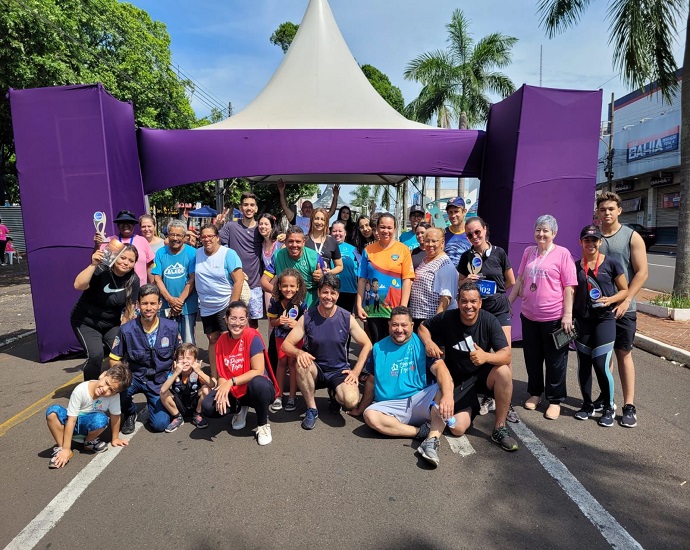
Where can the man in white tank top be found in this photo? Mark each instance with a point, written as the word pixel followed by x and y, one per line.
pixel 624 244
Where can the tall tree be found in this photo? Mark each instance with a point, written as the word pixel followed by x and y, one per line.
pixel 284 35
pixel 456 81
pixel 642 34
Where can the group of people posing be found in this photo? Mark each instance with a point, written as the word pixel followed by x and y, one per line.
pixel 430 314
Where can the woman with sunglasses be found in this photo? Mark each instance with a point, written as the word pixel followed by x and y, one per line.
pixel 489 268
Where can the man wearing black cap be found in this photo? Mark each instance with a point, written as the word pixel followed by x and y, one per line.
pixel 456 240
pixel 408 238
pixel 125 221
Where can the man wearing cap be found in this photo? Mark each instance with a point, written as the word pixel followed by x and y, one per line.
pixel 456 240
pixel 125 222
pixel 408 238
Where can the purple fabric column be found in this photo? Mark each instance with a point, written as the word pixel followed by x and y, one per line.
pixel 76 154
pixel 540 158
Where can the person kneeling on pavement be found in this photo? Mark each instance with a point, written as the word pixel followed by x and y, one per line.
pixel 406 403
pixel 468 334
pixel 148 345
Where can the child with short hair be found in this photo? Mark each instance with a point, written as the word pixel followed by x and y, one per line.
pixel 86 415
pixel 185 388
pixel 9 251
pixel 286 307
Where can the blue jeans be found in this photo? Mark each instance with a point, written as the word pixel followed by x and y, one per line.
pixel 158 416
pixel 86 422
pixel 185 324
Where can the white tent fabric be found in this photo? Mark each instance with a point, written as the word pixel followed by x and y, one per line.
pixel 318 85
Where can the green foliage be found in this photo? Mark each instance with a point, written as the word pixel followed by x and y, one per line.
pixel 675 301
pixel 284 35
pixel 456 81
pixel 383 86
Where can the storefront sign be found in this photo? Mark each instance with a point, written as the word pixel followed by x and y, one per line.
pixel 664 179
pixel 624 186
pixel 632 205
pixel 671 200
pixel 654 145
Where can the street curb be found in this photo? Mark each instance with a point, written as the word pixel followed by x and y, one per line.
pixel 661 349
pixel 13 339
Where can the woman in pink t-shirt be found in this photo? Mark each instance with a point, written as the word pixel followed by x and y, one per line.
pixel 546 283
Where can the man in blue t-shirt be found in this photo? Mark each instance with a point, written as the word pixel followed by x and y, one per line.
pixel 324 361
pixel 173 273
pixel 403 394
pixel 456 240
pixel 409 238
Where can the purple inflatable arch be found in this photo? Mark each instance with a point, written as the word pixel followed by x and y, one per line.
pixel 77 153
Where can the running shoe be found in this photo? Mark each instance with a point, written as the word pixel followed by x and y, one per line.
pixel 423 432
pixel 174 424
pixel 96 445
pixel 291 404
pixel 512 416
pixel 599 407
pixel 629 418
pixel 587 411
pixel 199 421
pixel 429 451
pixel 486 405
pixel 239 421
pixel 128 424
pixel 333 405
pixel 263 434
pixel 606 419
pixel 277 405
pixel 310 418
pixel 502 437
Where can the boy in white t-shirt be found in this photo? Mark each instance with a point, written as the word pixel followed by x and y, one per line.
pixel 87 414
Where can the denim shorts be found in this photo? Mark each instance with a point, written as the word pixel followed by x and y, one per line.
pixel 86 422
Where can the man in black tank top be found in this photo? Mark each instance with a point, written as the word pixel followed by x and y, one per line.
pixel 625 245
pixel 324 362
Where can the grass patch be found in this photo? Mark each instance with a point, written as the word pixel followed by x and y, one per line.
pixel 672 301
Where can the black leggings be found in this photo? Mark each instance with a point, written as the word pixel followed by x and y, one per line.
pixel 3 244
pixel 95 339
pixel 594 343
pixel 378 328
pixel 538 348
pixel 260 394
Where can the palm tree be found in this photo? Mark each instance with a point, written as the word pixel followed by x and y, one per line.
pixel 456 81
pixel 642 33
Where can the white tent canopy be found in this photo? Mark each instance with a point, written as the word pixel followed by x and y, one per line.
pixel 318 85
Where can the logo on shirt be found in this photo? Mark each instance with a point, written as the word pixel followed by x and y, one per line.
pixel 175 271
pixel 395 257
pixel 165 342
pixel 108 290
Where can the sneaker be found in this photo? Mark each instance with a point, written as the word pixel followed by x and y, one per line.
pixel 629 418
pixel 599 407
pixel 309 422
pixel 333 405
pixel 174 424
pixel 263 434
pixel 291 404
pixel 128 424
pixel 502 437
pixel 587 411
pixel 512 416
pixel 96 445
pixel 277 405
pixel 239 421
pixel 486 405
pixel 56 450
pixel 606 419
pixel 423 432
pixel 429 451
pixel 199 421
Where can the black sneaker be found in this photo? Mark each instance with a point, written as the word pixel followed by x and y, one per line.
pixel 429 451
pixel 423 432
pixel 629 418
pixel 333 405
pixel 606 419
pixel 586 412
pixel 502 437
pixel 96 445
pixel 128 424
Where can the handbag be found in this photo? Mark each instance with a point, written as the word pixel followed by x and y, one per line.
pixel 246 294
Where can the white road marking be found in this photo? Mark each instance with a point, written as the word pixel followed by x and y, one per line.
pixel 460 445
pixel 47 518
pixel 662 265
pixel 614 533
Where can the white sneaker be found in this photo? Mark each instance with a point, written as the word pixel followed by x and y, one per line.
pixel 277 405
pixel 263 434
pixel 239 421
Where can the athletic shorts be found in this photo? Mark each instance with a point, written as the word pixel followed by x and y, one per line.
pixel 413 410
pixel 466 394
pixel 330 379
pixel 187 408
pixel 626 327
pixel 214 323
pixel 279 345
pixel 503 318
pixel 256 303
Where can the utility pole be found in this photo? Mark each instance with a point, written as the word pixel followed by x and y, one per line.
pixel 609 157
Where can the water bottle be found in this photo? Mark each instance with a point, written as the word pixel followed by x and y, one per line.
pixel 450 422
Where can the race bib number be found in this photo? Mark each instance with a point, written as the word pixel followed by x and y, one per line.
pixel 486 288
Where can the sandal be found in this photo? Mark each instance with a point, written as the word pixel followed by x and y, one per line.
pixel 532 402
pixel 52 464
pixel 553 412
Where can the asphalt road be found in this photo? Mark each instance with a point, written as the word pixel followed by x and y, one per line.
pixel 571 485
pixel 662 268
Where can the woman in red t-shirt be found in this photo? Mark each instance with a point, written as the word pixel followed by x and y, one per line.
pixel 244 375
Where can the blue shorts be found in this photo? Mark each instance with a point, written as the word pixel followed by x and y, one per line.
pixel 86 422
pixel 256 303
